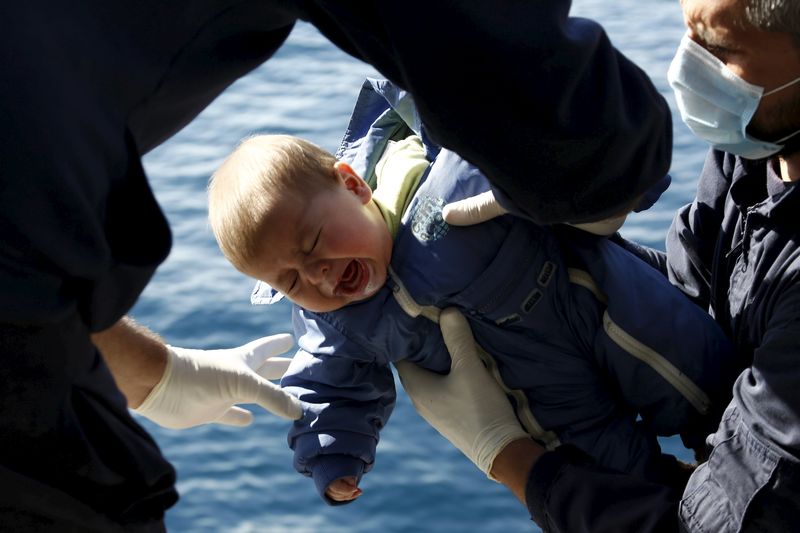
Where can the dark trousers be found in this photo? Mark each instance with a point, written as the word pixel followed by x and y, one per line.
pixel 71 456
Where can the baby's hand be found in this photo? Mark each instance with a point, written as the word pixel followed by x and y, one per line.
pixel 343 489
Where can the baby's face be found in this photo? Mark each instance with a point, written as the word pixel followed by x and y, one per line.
pixel 329 250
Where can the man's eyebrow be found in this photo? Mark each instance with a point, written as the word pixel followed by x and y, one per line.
pixel 716 32
pixel 714 40
pixel 699 30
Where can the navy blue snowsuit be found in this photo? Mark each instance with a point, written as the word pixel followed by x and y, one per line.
pixel 589 335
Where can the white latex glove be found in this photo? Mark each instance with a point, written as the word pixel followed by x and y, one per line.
pixel 484 206
pixel 473 210
pixel 203 386
pixel 605 227
pixel 467 406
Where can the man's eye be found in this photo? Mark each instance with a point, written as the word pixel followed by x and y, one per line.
pixel 716 50
pixel 720 52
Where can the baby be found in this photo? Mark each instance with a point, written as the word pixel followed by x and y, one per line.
pixel 595 347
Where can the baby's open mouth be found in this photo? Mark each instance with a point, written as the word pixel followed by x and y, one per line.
pixel 353 278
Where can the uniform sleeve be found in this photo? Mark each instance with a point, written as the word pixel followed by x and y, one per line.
pixel 567 493
pixel 692 237
pixel 589 134
pixel 752 477
pixel 347 398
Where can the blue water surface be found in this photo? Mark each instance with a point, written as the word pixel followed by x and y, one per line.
pixel 241 480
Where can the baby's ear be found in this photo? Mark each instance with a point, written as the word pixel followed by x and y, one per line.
pixel 352 181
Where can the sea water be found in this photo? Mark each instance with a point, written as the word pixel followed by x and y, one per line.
pixel 242 480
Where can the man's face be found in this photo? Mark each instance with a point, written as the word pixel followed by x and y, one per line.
pixel 767 59
pixel 329 250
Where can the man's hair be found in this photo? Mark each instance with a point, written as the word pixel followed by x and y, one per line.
pixel 262 171
pixel 774 15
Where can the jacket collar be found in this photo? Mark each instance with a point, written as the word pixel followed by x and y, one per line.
pixel 749 190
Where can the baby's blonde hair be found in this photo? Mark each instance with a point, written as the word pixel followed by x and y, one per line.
pixel 260 172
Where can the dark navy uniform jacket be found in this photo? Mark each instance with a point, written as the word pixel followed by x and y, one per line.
pixel 736 251
pixel 86 87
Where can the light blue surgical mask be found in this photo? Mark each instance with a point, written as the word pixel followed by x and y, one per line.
pixel 716 104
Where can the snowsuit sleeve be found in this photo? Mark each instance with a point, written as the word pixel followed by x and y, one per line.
pixel 347 398
pixel 567 493
pixel 655 258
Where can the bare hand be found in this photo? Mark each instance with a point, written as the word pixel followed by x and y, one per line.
pixel 343 489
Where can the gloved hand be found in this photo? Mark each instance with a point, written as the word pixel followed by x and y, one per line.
pixel 484 206
pixel 467 406
pixel 473 210
pixel 604 228
pixel 203 386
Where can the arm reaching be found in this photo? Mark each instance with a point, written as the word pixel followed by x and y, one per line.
pixel 180 388
pixel 562 489
pixel 484 206
pixel 595 105
pixel 136 357
pixel 467 406
pixel 473 210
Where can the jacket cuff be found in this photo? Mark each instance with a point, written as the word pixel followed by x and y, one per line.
pixel 328 468
pixel 544 474
pixel 652 194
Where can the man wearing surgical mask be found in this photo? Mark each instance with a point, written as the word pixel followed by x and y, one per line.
pixel 735 250
pixel 737 88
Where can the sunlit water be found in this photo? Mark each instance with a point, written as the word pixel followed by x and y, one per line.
pixel 242 480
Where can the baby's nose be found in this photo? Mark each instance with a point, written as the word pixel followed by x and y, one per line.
pixel 317 272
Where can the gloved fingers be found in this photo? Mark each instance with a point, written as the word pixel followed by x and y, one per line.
pixel 235 416
pixel 259 350
pixel 458 338
pixel 461 345
pixel 474 210
pixel 276 400
pixel 466 406
pixel 415 378
pixel 605 227
pixel 274 367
